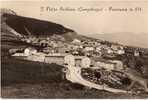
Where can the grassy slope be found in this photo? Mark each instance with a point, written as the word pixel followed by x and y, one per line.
pixel 24 79
pixel 20 71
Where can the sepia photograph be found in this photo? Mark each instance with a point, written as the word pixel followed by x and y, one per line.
pixel 78 49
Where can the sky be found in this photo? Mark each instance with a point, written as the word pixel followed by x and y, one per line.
pixel 93 22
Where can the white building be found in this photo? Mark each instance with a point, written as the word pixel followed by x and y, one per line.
pixel 118 64
pixel 85 63
pixel 109 51
pixel 136 53
pixel 29 51
pixel 39 57
pixel 88 48
pixel 106 65
pixel 55 58
pixel 74 47
pixel 98 48
pixel 114 47
pixel 76 41
pixel 120 52
pixel 69 60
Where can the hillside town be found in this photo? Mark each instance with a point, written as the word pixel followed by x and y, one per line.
pixel 85 47
pixel 84 54
pixel 41 52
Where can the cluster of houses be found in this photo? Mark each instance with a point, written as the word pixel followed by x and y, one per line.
pixel 76 47
pixel 87 47
pixel 55 50
pixel 136 51
pixel 65 58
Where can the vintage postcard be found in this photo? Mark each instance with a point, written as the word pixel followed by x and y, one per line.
pixel 74 49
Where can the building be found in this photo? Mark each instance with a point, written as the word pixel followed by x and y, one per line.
pixel 48 50
pixel 118 64
pixel 98 48
pixel 56 58
pixel 78 60
pixel 109 51
pixel 39 57
pixel 120 52
pixel 76 41
pixel 44 43
pixel 28 51
pixel 88 48
pixel 82 61
pixel 114 47
pixel 106 64
pixel 63 50
pixel 69 60
pixel 136 53
pixel 85 62
pixel 12 51
pixel 53 44
pixel 74 47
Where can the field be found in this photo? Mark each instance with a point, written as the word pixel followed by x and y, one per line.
pixel 25 79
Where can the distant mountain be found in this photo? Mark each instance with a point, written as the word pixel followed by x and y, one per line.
pixel 130 39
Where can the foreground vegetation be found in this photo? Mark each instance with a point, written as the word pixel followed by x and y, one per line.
pixel 26 79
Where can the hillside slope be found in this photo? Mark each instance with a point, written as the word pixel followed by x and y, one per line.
pixel 14 27
pixel 25 26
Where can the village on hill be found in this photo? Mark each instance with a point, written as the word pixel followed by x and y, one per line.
pixel 90 62
pixel 84 47
pixel 90 57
